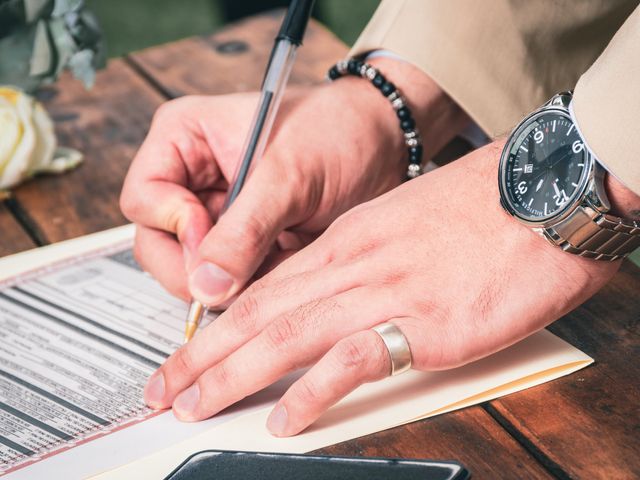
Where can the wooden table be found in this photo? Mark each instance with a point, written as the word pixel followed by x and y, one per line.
pixel 586 425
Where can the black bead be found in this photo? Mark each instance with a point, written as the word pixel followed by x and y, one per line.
pixel 407 124
pixel 415 161
pixel 333 73
pixel 353 67
pixel 378 80
pixel 387 88
pixel 403 113
pixel 416 151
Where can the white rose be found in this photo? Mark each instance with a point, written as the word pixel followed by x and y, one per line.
pixel 27 140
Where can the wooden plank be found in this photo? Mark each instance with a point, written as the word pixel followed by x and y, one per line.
pixel 13 238
pixel 107 124
pixel 589 423
pixel 234 59
pixel 469 436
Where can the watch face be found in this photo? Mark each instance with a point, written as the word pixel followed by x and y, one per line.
pixel 545 168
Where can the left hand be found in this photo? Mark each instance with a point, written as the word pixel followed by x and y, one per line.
pixel 437 256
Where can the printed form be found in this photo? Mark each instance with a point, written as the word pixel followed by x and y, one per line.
pixel 76 348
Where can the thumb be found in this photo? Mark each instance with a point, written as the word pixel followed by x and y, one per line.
pixel 241 239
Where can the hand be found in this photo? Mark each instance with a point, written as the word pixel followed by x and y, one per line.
pixel 437 256
pixel 332 147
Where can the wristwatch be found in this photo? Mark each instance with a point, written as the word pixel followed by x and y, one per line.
pixel 550 181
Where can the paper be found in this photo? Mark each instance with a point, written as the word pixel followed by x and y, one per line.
pixel 83 331
pixel 382 405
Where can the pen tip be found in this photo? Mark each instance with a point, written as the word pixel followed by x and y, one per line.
pixel 189 330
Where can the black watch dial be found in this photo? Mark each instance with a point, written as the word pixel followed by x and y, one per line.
pixel 545 167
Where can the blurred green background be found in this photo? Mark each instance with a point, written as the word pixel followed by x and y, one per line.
pixel 134 24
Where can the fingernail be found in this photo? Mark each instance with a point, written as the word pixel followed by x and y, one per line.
pixel 277 421
pixel 188 400
pixel 154 390
pixel 209 283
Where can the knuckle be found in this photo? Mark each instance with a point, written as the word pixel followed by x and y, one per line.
pixel 169 108
pixel 283 333
pixel 183 361
pixel 352 353
pixel 244 314
pixel 174 221
pixel 224 375
pixel 163 111
pixel 247 235
pixel 253 235
pixel 307 392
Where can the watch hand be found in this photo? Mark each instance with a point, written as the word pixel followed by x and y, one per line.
pixel 544 171
pixel 539 186
pixel 557 190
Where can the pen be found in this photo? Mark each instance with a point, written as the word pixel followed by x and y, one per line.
pixel 275 80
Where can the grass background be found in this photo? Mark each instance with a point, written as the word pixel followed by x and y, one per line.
pixel 134 24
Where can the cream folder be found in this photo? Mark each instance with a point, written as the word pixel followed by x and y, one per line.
pixel 371 408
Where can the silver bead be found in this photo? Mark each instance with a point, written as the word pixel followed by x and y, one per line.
pixel 342 66
pixel 398 103
pixel 371 73
pixel 412 142
pixel 393 95
pixel 410 134
pixel 363 69
pixel 414 170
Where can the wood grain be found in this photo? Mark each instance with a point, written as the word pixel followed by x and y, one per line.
pixel 107 124
pixel 589 422
pixel 469 436
pixel 234 59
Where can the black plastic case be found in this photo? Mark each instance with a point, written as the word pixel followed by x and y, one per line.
pixel 227 465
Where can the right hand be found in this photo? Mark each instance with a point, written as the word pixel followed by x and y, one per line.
pixel 332 147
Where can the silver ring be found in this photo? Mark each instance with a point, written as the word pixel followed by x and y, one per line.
pixel 397 346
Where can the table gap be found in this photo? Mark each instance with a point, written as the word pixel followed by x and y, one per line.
pixel 549 465
pixel 148 77
pixel 26 221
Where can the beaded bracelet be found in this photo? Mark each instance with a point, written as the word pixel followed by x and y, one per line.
pixel 412 138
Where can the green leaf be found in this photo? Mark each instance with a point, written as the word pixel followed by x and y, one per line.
pixel 63 43
pixel 81 65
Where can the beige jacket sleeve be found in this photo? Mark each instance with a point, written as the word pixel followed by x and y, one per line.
pixel 606 105
pixel 501 59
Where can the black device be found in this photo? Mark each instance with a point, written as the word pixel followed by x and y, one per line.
pixel 227 465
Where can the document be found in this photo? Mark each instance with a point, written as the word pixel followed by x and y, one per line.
pixel 82 328
pixel 77 345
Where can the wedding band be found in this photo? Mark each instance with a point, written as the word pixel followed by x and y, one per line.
pixel 397 346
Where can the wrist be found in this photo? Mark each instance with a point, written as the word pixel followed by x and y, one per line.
pixel 624 202
pixel 437 117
